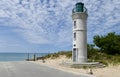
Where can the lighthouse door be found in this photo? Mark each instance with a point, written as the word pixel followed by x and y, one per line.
pixel 74 54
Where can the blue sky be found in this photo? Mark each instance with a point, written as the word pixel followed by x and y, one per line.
pixel 46 25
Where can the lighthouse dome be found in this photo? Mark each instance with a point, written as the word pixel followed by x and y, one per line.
pixel 79 7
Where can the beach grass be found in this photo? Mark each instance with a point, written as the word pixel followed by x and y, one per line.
pixel 93 56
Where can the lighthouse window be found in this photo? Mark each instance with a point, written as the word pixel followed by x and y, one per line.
pixel 74 36
pixel 74 24
pixel 74 45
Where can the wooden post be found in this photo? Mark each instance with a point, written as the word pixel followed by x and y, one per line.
pixel 28 56
pixel 34 57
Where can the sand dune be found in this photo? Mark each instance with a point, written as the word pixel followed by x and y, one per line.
pixel 110 71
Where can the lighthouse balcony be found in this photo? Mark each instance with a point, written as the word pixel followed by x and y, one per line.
pixel 79 11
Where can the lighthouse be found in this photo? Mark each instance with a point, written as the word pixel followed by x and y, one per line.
pixel 79 17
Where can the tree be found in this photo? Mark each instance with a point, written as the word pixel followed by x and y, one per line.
pixel 92 51
pixel 109 44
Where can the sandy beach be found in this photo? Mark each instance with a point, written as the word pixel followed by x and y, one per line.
pixel 109 71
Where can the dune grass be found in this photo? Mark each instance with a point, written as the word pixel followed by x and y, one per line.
pixel 68 54
pixel 92 56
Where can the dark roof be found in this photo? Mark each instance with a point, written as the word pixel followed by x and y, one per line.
pixel 79 3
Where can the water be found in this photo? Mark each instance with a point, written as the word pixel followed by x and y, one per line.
pixel 18 56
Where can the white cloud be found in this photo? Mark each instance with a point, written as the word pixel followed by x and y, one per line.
pixel 49 22
pixel 4 44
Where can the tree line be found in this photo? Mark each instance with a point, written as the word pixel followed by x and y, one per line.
pixel 109 44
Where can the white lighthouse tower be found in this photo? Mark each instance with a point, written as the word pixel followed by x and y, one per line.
pixel 79 17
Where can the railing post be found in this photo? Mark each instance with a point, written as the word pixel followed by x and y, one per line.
pixel 34 56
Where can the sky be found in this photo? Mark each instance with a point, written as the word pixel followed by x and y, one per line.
pixel 45 26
